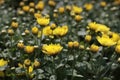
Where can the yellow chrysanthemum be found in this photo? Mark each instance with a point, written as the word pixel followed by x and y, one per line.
pixel 88 38
pixel 88 6
pixel 76 9
pixel 115 36
pixel 3 62
pixel 43 21
pixel 14 25
pixel 29 49
pixel 94 48
pixel 30 69
pixel 51 49
pixel 60 31
pixel 35 30
pixel 105 41
pixel 92 25
pixel 47 31
pixel 40 5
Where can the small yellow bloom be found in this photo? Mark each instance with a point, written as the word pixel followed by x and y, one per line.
pixel 40 5
pixel 51 49
pixel 70 44
pixel 20 45
pixel 14 25
pixel 117 48
pixel 37 15
pixel 32 10
pixel 31 4
pixel 10 32
pixel 26 8
pixel 76 9
pixel 115 36
pixel 20 65
pixel 27 62
pixel 88 6
pixel 92 25
pixel 36 63
pixel 43 21
pixel 30 69
pixel 27 31
pixel 53 25
pixel 94 48
pixel 76 44
pixel 68 7
pixel 78 17
pixel 103 3
pixel 61 10
pixel 51 2
pixel 29 49
pixel 3 62
pixel 35 30
pixel 47 31
pixel 88 38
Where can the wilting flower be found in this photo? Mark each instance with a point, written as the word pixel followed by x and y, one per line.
pixel 29 49
pixel 94 48
pixel 105 40
pixel 43 21
pixel 35 30
pixel 51 49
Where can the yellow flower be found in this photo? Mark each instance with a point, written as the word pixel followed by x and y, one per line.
pixel 68 7
pixel 20 45
pixel 53 25
pixel 26 8
pixel 61 10
pixel 35 30
pixel 76 44
pixel 88 38
pixel 92 25
pixel 94 48
pixel 27 62
pixel 22 3
pixel 70 44
pixel 20 65
pixel 103 3
pixel 60 31
pixel 117 48
pixel 10 32
pixel 115 36
pixel 77 9
pixel 88 6
pixel 32 10
pixel 105 40
pixel 14 25
pixel 27 31
pixel 78 17
pixel 29 49
pixel 3 62
pixel 37 15
pixel 30 69
pixel 47 31
pixel 118 42
pixel 43 21
pixel 102 28
pixel 31 4
pixel 36 63
pixel 51 2
pixel 51 49
pixel 40 5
